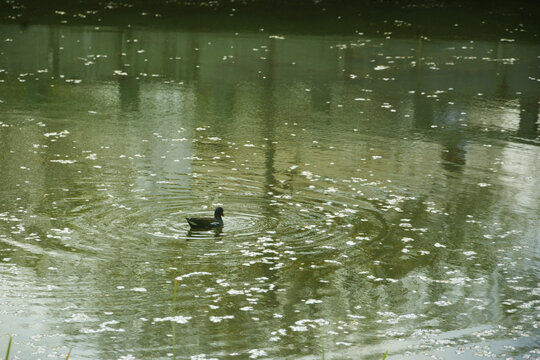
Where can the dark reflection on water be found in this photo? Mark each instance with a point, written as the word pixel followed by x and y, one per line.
pixel 380 193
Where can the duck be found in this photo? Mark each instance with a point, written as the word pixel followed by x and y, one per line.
pixel 207 223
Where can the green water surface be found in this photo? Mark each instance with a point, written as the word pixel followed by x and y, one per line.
pixel 380 192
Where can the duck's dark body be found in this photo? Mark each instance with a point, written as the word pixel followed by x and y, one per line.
pixel 207 223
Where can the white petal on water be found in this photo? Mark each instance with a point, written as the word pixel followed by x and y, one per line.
pixel 103 327
pixel 201 357
pixel 182 277
pixel 255 353
pixel 127 357
pixel 77 318
pixel 139 289
pixel 177 319
pixel 64 161
pixel 442 303
pixel 62 133
pixel 217 319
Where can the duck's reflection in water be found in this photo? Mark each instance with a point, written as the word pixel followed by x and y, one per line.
pixel 194 234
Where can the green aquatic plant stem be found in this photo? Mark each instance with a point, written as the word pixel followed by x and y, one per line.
pixel 173 323
pixel 322 348
pixel 9 347
pixel 174 295
pixel 384 355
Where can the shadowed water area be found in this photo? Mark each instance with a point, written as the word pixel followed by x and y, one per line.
pixel 381 191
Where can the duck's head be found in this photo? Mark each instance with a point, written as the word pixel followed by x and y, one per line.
pixel 218 213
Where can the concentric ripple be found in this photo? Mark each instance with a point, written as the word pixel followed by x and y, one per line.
pixel 308 217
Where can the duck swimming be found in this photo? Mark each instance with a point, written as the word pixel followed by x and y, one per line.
pixel 207 223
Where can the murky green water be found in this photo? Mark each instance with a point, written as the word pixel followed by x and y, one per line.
pixel 379 193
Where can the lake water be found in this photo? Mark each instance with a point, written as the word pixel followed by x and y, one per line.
pixel 380 193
